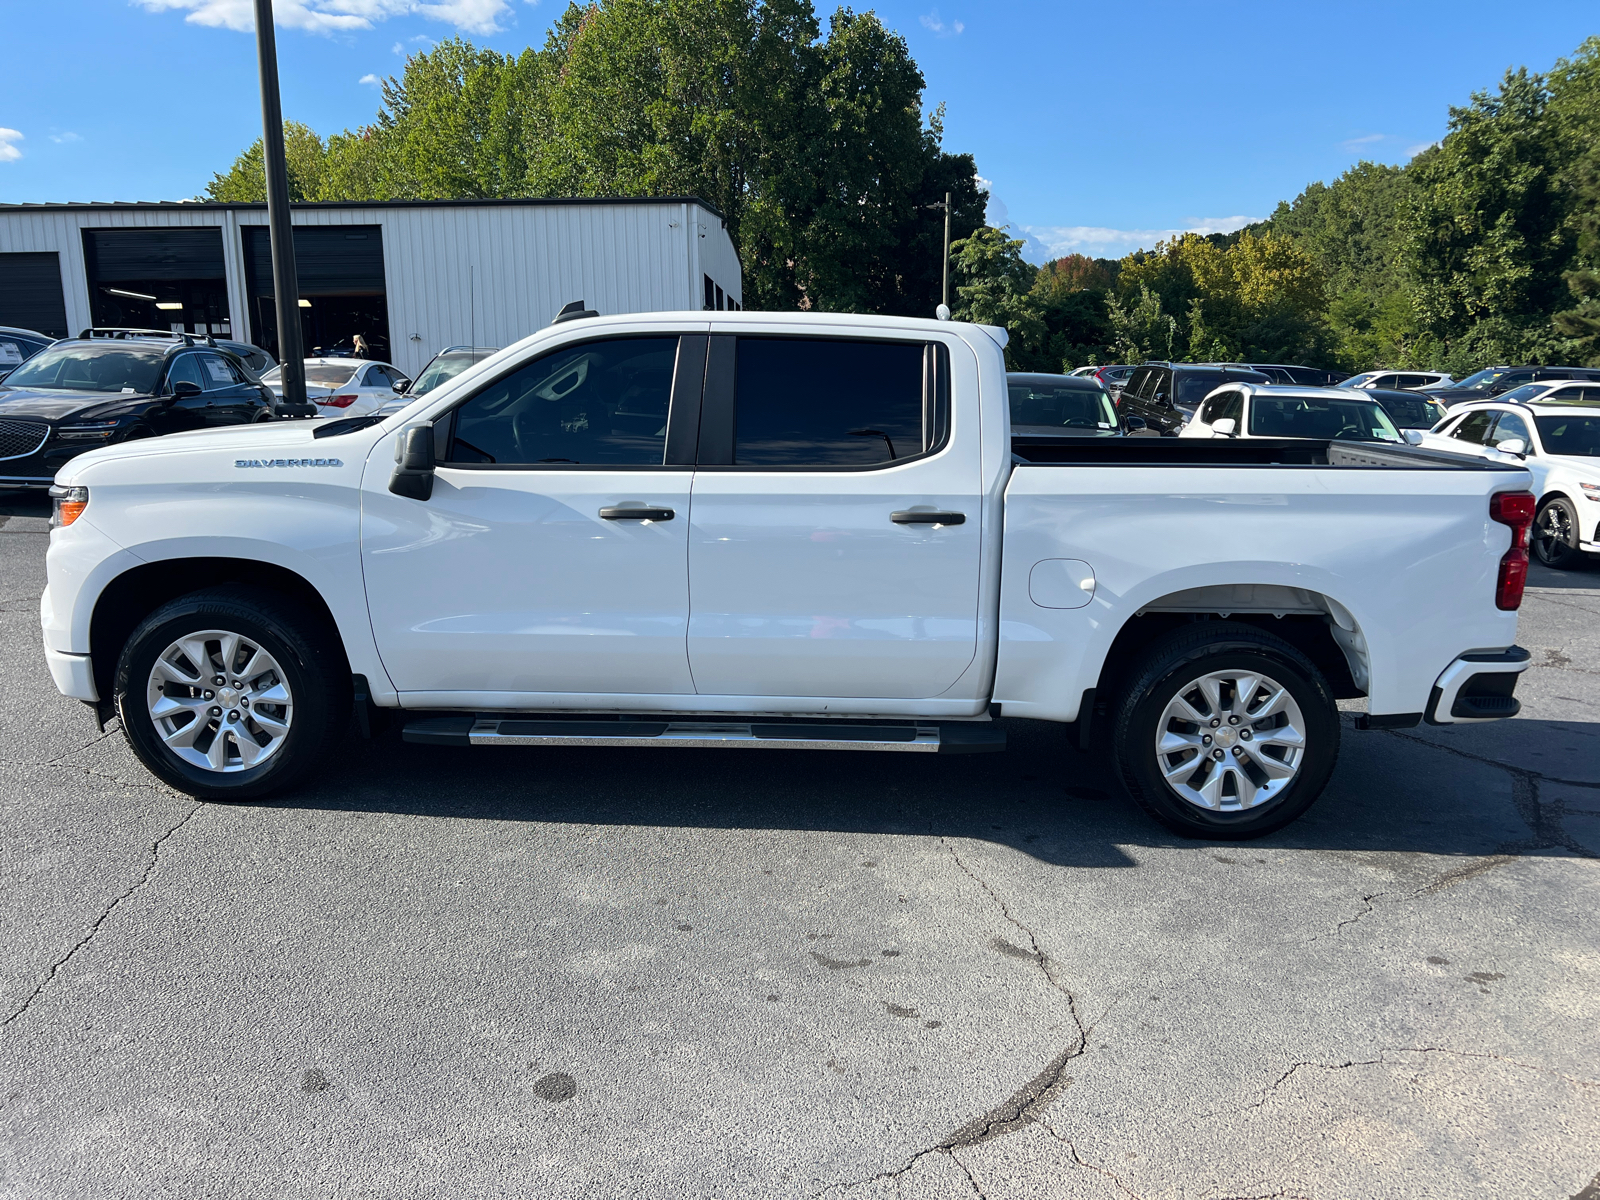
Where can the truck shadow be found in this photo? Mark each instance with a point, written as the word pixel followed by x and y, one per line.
pixel 1041 797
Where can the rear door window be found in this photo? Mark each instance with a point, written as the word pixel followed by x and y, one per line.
pixel 217 372
pixel 814 402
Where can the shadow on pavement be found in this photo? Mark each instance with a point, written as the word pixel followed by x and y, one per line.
pixel 1041 797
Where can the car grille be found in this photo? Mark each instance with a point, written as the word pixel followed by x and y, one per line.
pixel 18 439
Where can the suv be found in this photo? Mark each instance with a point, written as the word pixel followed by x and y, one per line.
pixel 80 393
pixel 1397 380
pixel 1492 381
pixel 1165 394
pixel 1298 376
pixel 17 346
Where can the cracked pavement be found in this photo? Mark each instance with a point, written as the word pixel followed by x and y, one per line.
pixel 575 973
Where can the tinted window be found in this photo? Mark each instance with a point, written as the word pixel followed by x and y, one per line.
pixel 1319 417
pixel 827 402
pixel 1474 428
pixel 1570 435
pixel 1510 426
pixel 1040 403
pixel 185 368
pixel 1136 383
pixel 1193 386
pixel 217 372
pixel 81 367
pixel 1227 406
pixel 598 402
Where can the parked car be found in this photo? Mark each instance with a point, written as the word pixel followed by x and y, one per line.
pixel 1408 410
pixel 19 345
pixel 1397 380
pixel 1079 372
pixel 446 365
pixel 1244 410
pixel 345 387
pixel 80 393
pixel 1302 376
pixel 864 566
pixel 253 357
pixel 1557 437
pixel 1063 406
pixel 1165 394
pixel 1495 381
pixel 1114 378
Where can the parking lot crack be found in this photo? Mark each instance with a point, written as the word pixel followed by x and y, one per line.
pixel 1078 1160
pixel 94 928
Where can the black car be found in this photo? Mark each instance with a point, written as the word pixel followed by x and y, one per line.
pixel 1408 410
pixel 1299 376
pixel 1165 394
pixel 17 346
pixel 86 392
pixel 1492 381
pixel 1063 406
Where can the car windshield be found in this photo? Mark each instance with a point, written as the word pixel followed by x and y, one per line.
pixel 317 374
pixel 1578 436
pixel 1356 381
pixel 1055 405
pixel 1482 378
pixel 84 368
pixel 1526 392
pixel 1411 412
pixel 1321 417
pixel 444 368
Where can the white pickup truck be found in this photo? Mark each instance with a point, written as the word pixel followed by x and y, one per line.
pixel 779 530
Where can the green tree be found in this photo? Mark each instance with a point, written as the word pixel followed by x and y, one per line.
pixel 246 181
pixel 1581 323
pixel 994 286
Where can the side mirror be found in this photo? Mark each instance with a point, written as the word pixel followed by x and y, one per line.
pixel 413 458
pixel 1134 423
pixel 183 389
pixel 1513 446
pixel 1227 427
pixel 1412 436
pixel 402 387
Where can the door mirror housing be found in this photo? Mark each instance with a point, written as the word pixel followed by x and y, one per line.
pixel 1133 423
pixel 402 387
pixel 1227 427
pixel 1413 437
pixel 1513 446
pixel 413 458
pixel 183 389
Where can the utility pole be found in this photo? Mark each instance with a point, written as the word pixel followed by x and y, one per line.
pixel 285 286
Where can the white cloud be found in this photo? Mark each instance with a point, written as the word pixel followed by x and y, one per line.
pixel 937 26
pixel 1351 145
pixel 62 139
pixel 398 48
pixel 335 16
pixel 1097 241
pixel 1413 151
pixel 8 152
pixel 372 79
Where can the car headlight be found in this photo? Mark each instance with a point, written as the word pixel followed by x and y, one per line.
pixel 1591 490
pixel 88 432
pixel 67 505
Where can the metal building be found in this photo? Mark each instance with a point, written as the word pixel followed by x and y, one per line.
pixel 411 276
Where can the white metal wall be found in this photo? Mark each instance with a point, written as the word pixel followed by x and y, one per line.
pixel 487 274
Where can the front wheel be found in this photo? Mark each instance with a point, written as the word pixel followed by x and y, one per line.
pixel 1225 731
pixel 229 694
pixel 1555 534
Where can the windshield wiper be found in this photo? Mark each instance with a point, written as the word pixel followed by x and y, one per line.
pixel 345 425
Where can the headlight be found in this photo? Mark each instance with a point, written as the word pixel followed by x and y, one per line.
pixel 68 505
pixel 90 431
pixel 1591 490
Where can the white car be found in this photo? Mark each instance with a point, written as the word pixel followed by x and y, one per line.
pixel 1253 410
pixel 1556 435
pixel 345 387
pixel 767 530
pixel 1397 379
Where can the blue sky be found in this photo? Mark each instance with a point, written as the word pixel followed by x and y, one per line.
pixel 1100 127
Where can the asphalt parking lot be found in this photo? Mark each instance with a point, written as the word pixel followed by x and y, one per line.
pixel 562 973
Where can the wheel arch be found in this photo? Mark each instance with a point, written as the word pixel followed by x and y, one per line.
pixel 134 594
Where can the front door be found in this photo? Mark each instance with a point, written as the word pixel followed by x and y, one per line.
pixel 834 545
pixel 552 555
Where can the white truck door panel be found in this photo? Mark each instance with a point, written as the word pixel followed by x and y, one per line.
pixel 802 580
pixel 524 571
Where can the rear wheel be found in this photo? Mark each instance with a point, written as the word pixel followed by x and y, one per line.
pixel 228 694
pixel 1225 731
pixel 1555 534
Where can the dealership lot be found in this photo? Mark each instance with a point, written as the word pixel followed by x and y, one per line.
pixel 698 973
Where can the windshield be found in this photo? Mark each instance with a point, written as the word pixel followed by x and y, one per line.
pixel 1482 379
pixel 1578 436
pixel 1319 417
pixel 1360 380
pixel 443 369
pixel 1060 406
pixel 85 368
pixel 1526 392
pixel 317 374
pixel 1412 412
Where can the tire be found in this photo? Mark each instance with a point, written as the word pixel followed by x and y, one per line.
pixel 177 719
pixel 1555 534
pixel 1245 795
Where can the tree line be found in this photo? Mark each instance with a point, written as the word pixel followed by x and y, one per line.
pixel 819 151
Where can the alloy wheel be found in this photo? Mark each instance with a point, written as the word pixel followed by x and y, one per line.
pixel 219 701
pixel 1230 741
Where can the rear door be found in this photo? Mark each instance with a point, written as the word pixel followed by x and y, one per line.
pixel 230 398
pixel 834 544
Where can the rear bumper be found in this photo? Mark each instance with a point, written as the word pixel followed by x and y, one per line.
pixel 73 674
pixel 1478 686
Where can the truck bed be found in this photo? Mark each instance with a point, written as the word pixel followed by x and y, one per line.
pixel 1240 452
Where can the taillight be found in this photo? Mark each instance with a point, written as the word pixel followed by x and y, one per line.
pixel 1516 510
pixel 344 401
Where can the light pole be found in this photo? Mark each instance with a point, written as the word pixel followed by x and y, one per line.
pixel 285 286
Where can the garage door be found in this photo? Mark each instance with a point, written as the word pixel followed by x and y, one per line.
pixel 30 292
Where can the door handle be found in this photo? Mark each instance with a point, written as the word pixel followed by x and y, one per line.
pixel 922 517
pixel 637 514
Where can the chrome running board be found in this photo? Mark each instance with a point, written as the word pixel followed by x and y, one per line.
pixel 920 738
